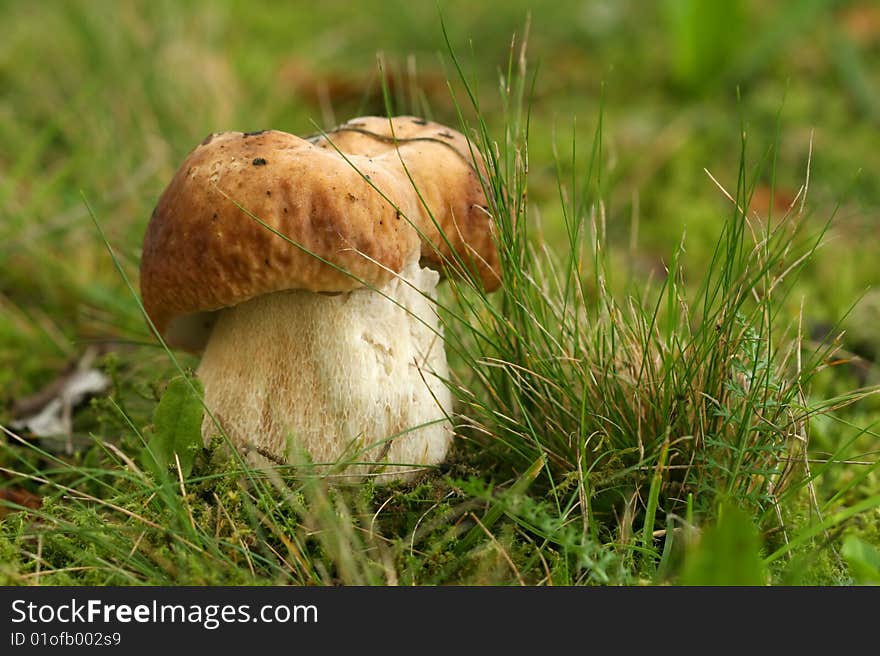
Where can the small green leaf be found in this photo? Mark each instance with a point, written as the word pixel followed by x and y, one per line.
pixel 728 553
pixel 863 560
pixel 177 422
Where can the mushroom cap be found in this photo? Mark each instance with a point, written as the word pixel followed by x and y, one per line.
pixel 253 213
pixel 446 169
pixel 373 135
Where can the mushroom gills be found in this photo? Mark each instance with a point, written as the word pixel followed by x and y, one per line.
pixel 352 378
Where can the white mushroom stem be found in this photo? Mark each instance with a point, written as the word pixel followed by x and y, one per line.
pixel 354 377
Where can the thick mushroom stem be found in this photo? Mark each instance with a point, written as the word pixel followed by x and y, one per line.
pixel 354 377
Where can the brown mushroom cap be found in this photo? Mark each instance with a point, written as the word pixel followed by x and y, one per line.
pixel 204 250
pixel 441 161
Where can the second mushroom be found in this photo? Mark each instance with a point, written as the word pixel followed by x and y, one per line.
pixel 306 270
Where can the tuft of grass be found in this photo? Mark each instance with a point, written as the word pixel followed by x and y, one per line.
pixel 645 403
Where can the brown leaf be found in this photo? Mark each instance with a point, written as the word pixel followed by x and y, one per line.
pixel 356 86
pixel 18 496
pixel 861 22
pixel 780 199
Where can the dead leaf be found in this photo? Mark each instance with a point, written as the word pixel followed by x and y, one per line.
pixel 332 87
pixel 18 496
pixel 49 412
pixel 861 22
pixel 780 199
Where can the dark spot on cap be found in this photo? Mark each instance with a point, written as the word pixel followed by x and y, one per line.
pixel 397 214
pixel 266 261
pixel 268 193
pixel 419 121
pixel 445 134
pixel 208 139
pixel 259 161
pixel 367 178
pixel 351 196
pixel 215 216
pixel 252 134
pixel 285 210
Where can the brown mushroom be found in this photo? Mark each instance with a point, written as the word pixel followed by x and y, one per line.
pixel 305 270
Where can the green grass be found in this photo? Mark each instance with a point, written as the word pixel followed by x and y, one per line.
pixel 650 398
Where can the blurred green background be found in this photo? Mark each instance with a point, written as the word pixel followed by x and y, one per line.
pixel 106 98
